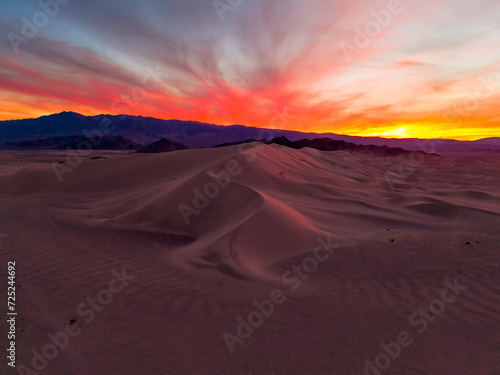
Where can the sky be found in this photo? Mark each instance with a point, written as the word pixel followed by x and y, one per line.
pixel 395 68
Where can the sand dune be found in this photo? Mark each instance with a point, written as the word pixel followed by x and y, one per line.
pixel 246 219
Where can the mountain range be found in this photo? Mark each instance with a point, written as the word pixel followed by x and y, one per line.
pixel 146 130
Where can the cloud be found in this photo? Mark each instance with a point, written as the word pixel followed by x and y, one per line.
pixel 264 56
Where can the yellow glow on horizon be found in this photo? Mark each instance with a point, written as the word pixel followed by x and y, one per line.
pixel 423 130
pixel 400 132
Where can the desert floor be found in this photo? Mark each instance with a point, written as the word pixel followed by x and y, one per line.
pixel 355 251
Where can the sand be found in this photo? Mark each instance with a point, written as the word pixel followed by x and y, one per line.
pixel 370 257
pixel 15 160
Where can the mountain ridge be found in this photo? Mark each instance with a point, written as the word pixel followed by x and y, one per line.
pixel 194 134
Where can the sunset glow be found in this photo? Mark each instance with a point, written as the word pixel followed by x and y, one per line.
pixel 429 69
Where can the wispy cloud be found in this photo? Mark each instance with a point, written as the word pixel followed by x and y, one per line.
pixel 266 55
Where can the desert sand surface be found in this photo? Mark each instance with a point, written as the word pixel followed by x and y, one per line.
pixel 348 261
pixel 13 161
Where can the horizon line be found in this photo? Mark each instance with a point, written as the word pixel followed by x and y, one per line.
pixel 249 126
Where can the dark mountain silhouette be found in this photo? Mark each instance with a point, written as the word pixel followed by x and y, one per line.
pixel 145 130
pixel 250 140
pixel 74 142
pixel 163 145
pixel 327 144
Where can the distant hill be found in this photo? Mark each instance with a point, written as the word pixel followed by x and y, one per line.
pixel 73 142
pixel 145 130
pixel 163 145
pixel 326 144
